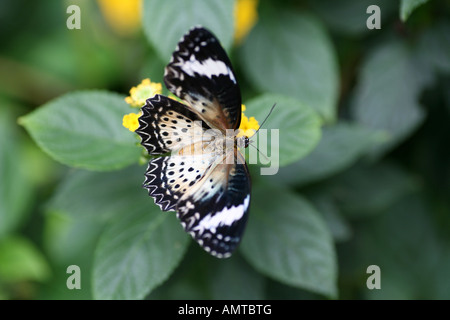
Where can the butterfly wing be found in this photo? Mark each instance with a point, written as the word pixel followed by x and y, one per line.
pixel 168 178
pixel 215 210
pixel 211 197
pixel 166 125
pixel 201 74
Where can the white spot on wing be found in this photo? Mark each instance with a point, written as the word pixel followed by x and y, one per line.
pixel 208 68
pixel 225 217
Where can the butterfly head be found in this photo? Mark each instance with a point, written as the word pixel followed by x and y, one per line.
pixel 242 142
pixel 246 141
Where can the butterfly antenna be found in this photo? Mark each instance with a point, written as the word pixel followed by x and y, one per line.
pixel 271 109
pixel 260 152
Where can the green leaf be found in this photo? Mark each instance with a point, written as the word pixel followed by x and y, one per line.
pixel 15 186
pixel 327 206
pixel 79 210
pixel 164 25
pixel 433 48
pixel 408 6
pixel 20 260
pixel 137 252
pixel 348 16
pixel 233 279
pixel 287 240
pixel 365 190
pixel 291 54
pixel 440 290
pixel 56 289
pixel 279 291
pixel 297 124
pixel 71 240
pixel 341 145
pixel 81 206
pixel 84 129
pixel 99 195
pixel 404 243
pixel 191 279
pixel 387 96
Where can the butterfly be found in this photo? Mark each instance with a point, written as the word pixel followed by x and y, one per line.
pixel 198 170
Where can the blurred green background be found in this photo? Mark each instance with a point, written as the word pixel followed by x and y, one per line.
pixel 376 185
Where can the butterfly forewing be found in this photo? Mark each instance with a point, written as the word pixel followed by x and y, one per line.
pixel 201 74
pixel 166 125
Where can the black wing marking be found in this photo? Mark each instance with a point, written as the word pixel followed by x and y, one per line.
pixel 215 210
pixel 166 125
pixel 201 74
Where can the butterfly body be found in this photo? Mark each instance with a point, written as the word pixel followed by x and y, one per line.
pixel 199 171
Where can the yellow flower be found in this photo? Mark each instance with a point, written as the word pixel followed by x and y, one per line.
pixel 146 89
pixel 248 126
pixel 130 121
pixel 124 16
pixel 245 17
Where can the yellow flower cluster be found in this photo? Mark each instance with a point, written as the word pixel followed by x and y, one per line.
pixel 245 17
pixel 248 126
pixel 123 16
pixel 146 89
pixel 130 121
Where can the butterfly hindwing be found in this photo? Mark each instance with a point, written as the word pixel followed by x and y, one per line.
pixel 211 195
pixel 215 210
pixel 156 184
pixel 201 74
pixel 168 178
